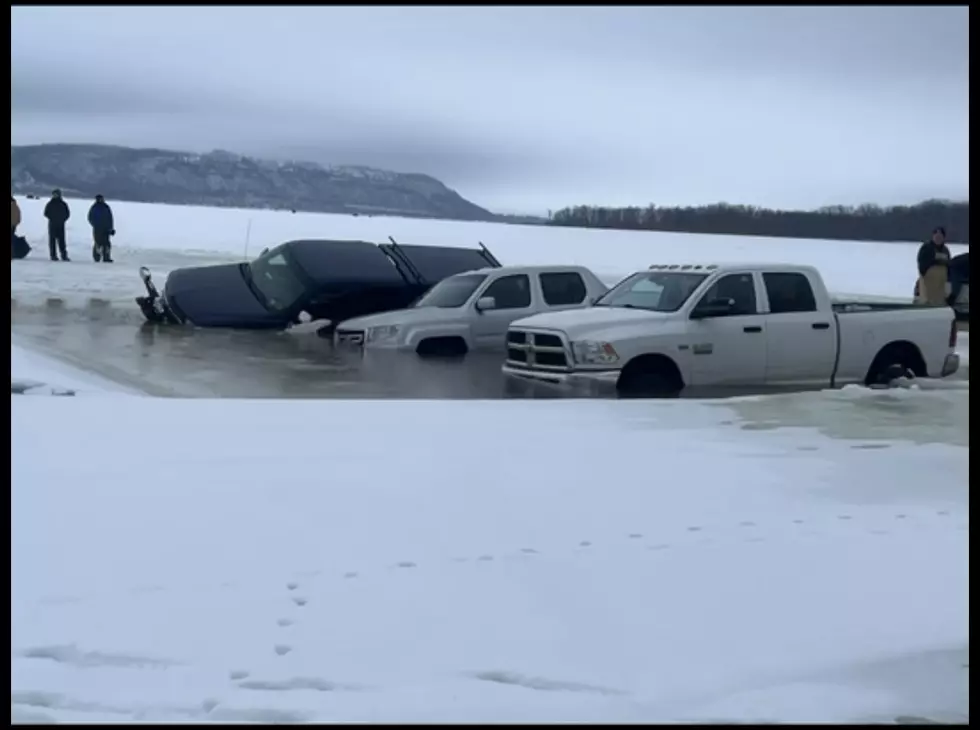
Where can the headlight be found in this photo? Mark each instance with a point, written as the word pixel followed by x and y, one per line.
pixel 594 353
pixel 381 334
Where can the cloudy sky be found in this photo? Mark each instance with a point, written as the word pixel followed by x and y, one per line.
pixel 525 109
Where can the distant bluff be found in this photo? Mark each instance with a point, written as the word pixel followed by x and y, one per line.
pixel 225 179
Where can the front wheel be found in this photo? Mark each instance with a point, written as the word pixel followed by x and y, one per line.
pixel 648 384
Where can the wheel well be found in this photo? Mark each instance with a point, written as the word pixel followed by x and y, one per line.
pixel 900 352
pixel 442 346
pixel 649 364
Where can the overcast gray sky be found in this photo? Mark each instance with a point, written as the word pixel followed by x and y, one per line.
pixel 526 108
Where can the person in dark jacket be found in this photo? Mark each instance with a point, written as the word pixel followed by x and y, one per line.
pixel 19 247
pixel 14 215
pixel 100 218
pixel 933 264
pixel 57 213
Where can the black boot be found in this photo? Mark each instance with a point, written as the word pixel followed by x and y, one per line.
pixel 106 249
pixel 96 254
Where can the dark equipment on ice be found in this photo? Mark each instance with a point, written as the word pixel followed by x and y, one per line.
pixel 958 277
pixel 19 247
pixel 332 280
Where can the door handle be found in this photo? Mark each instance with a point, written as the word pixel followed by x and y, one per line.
pixel 752 329
pixel 821 325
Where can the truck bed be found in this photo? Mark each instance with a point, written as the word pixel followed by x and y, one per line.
pixel 844 306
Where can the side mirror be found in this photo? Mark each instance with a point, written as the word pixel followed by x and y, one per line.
pixel 713 308
pixel 484 303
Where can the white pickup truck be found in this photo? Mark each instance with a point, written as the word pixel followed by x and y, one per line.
pixel 671 328
pixel 473 310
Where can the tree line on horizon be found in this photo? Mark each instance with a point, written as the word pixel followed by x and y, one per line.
pixel 866 222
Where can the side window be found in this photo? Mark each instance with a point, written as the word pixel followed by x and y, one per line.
pixel 738 287
pixel 564 287
pixel 510 292
pixel 789 292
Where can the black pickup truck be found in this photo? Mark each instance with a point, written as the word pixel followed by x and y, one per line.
pixel 332 280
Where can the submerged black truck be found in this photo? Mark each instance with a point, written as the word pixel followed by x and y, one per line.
pixel 329 280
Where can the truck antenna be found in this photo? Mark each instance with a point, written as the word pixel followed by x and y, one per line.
pixel 248 236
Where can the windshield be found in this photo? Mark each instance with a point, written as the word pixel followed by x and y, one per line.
pixel 276 281
pixel 452 292
pixel 657 291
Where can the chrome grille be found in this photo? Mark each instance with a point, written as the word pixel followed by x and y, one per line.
pixel 536 350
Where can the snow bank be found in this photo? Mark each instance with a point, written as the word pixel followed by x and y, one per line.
pixel 473 561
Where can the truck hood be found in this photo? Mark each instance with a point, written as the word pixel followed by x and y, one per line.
pixel 217 296
pixel 580 322
pixel 404 318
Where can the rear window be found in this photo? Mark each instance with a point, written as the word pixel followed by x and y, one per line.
pixel 565 287
pixel 436 262
pixel 789 292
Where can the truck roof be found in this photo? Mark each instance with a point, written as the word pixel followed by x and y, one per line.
pixel 328 261
pixel 730 266
pixel 533 269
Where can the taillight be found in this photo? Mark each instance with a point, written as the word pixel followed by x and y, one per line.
pixel 952 334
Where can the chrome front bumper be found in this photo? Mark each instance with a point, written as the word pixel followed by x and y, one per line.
pixel 563 378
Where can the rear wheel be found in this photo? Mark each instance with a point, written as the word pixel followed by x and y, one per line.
pixel 895 361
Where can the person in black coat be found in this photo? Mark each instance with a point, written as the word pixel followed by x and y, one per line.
pixel 933 264
pixel 57 213
pixel 100 218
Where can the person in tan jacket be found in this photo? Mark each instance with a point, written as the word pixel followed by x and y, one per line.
pixel 14 215
pixel 933 262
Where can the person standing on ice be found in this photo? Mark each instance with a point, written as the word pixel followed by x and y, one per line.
pixel 14 215
pixel 933 262
pixel 100 218
pixel 57 213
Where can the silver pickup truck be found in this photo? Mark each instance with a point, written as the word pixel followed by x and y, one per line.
pixel 473 310
pixel 674 328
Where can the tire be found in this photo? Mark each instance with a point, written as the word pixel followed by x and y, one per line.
pixel 650 379
pixel 442 347
pixel 894 361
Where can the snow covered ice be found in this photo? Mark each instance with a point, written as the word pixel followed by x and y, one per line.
pixel 787 558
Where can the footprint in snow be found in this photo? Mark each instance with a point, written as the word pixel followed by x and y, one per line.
pixel 405 564
pixel 284 622
pixel 746 523
pixel 292 586
pixel 350 574
pixel 694 528
pixel 635 535
pixel 843 517
pixel 485 558
pixel 237 675
pixel 299 601
pixel 282 649
pixel 585 543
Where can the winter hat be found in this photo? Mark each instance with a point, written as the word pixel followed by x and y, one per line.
pixel 940 229
pixel 56 192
